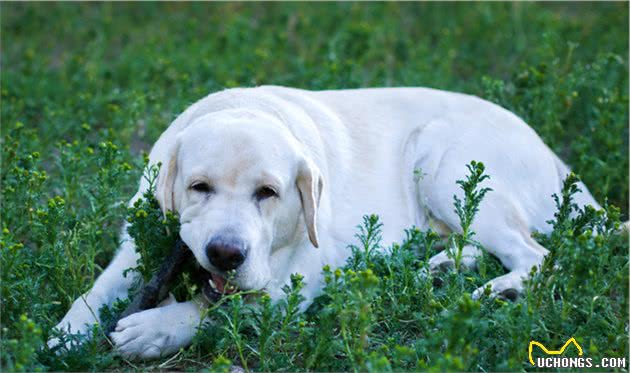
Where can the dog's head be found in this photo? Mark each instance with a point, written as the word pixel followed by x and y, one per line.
pixel 243 188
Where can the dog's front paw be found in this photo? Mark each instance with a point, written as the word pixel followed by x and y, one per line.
pixel 156 332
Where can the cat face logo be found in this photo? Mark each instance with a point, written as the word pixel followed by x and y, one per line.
pixel 553 352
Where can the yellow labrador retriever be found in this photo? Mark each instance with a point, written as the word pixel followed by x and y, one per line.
pixel 271 181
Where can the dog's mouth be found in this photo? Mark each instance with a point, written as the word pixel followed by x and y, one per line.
pixel 216 286
pixel 221 285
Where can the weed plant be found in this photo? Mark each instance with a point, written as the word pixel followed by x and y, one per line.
pixel 87 88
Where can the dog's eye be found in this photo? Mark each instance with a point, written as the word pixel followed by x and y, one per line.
pixel 264 193
pixel 202 188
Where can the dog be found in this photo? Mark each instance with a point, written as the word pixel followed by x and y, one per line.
pixel 271 181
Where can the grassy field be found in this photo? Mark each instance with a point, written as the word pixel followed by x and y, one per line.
pixel 87 88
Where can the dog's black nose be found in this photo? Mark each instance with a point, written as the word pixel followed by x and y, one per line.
pixel 226 254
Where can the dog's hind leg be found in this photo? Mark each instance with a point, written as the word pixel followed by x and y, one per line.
pixel 500 229
pixel 517 251
pixel 499 226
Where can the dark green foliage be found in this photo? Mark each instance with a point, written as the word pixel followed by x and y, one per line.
pixel 20 351
pixel 87 87
pixel 56 233
pixel 154 232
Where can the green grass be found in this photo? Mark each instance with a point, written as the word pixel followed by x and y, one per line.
pixel 87 88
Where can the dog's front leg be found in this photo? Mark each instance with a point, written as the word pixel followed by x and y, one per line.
pixel 111 284
pixel 159 331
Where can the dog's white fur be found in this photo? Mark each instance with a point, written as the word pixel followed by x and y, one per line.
pixel 332 156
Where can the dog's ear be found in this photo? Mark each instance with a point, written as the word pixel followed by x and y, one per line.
pixel 165 188
pixel 310 185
